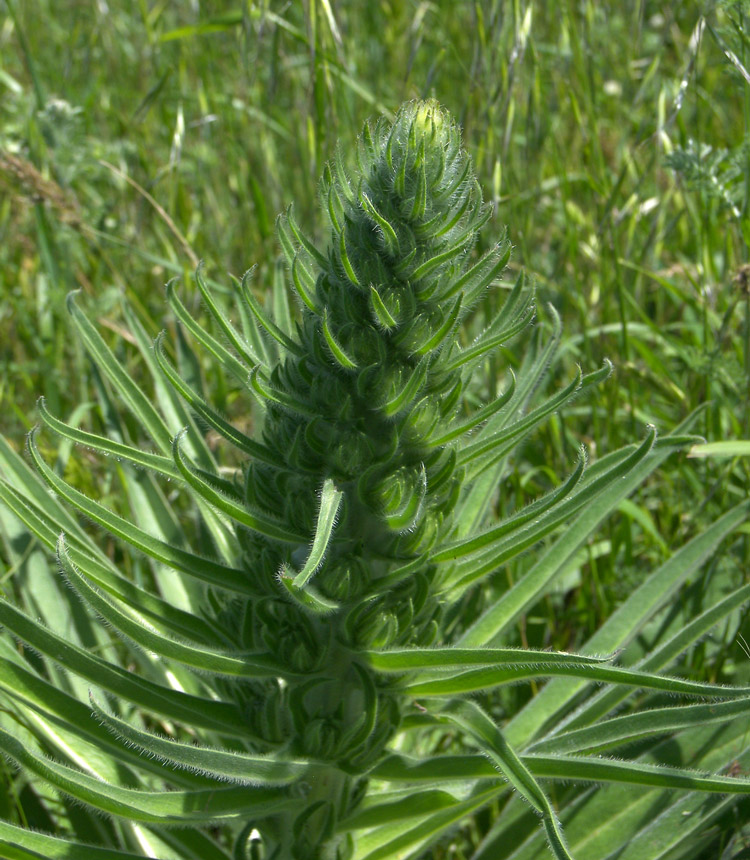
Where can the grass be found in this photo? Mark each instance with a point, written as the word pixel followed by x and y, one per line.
pixel 137 139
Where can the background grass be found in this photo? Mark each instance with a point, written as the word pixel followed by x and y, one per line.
pixel 137 138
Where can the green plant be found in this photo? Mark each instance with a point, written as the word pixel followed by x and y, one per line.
pixel 316 658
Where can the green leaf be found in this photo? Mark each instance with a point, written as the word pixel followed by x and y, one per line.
pixel 415 378
pixel 515 431
pixel 488 342
pixel 609 770
pixel 479 417
pixel 176 807
pixel 606 700
pixel 413 659
pixel 98 568
pixel 528 589
pixel 481 274
pixel 240 768
pixel 197 566
pixel 304 283
pixel 389 234
pixel 459 549
pixel 633 727
pixel 136 456
pixel 733 448
pixel 19 843
pixel 239 344
pixel 509 547
pixel 380 810
pixel 209 343
pixel 433 263
pixel 304 242
pixel 472 719
pixel 308 598
pixel 345 261
pixel 443 330
pixel 482 679
pixel 144 636
pixel 71 718
pixel 628 619
pixel 435 770
pixel 242 442
pixel 264 321
pixel 280 398
pixel 254 520
pixel 330 502
pixel 138 403
pixel 411 837
pixel 341 358
pixel 380 311
pixel 193 710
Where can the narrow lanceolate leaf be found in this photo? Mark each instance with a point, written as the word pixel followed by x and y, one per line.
pixel 15 852
pixel 334 204
pixel 475 567
pixel 192 710
pixel 443 330
pixel 136 456
pixel 408 391
pixel 19 477
pixel 387 809
pixel 520 428
pixel 240 768
pixel 254 520
pixel 420 197
pixel 138 403
pixel 304 283
pixel 483 273
pixel 176 807
pixel 410 837
pixel 387 231
pixel 175 415
pixel 304 242
pixel 18 843
pixel 473 720
pixel 265 391
pixel 436 769
pixel 380 311
pixel 534 582
pixel 479 417
pixel 101 571
pixel 141 633
pixel 580 768
pixel 345 261
pixel 242 442
pixel 433 263
pixel 489 342
pixel 31 692
pixel 627 621
pixel 480 679
pixel 267 324
pixel 330 503
pixel 239 344
pixel 460 549
pixel 209 343
pixel 197 566
pixel 442 223
pixel 633 727
pixel 307 598
pixel 413 659
pixel 338 353
pixel 606 700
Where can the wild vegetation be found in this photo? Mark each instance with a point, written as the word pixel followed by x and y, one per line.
pixel 369 554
